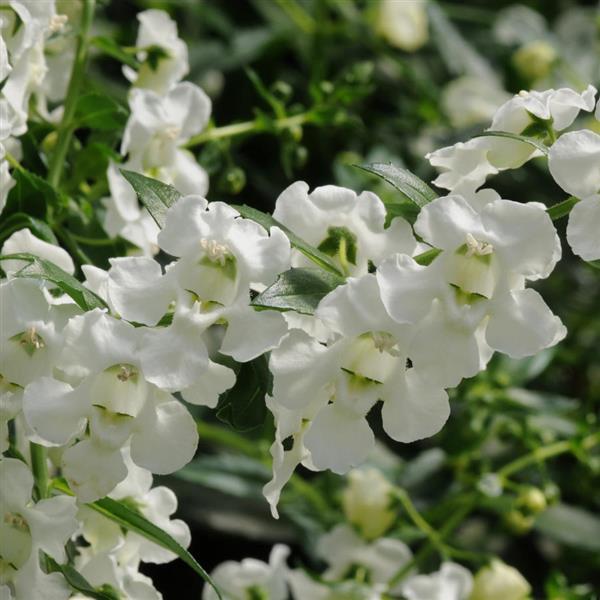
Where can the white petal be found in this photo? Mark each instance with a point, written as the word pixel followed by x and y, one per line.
pixel 297 355
pixel 95 341
pixel 189 107
pixel 573 162
pixel 32 582
pixel 215 380
pixel 407 288
pixel 355 308
pixel 521 324
pixel 251 333
pixel 565 105
pixel 165 438
pixel 263 256
pixel 52 523
pixel 18 493
pixel 54 410
pixel 24 241
pixel 138 290
pixel 523 237
pixel 413 407
pixel 185 174
pixel 175 357
pixel 338 439
pixel 184 226
pixel 92 471
pixel 583 230
pixel 445 222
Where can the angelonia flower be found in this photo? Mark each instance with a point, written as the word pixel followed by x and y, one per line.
pixel 164 114
pixel 106 390
pixel 405 25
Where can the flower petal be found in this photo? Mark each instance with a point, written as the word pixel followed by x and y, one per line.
pixel 583 230
pixel 521 324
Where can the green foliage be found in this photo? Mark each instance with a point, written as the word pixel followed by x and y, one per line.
pixel 39 268
pixel 299 290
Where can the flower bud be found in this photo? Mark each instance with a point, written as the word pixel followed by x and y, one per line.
pixel 366 502
pixel 519 522
pixel 499 581
pixel 533 499
pixel 534 60
pixel 404 24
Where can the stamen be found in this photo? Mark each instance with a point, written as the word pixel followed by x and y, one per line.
pixel 477 248
pixel 215 251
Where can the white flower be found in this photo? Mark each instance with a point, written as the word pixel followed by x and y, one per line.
pixel 451 582
pixel 156 504
pixel 252 578
pixel 499 581
pixel 404 24
pixel 347 226
pixel 342 549
pixel 471 100
pixel 302 587
pixel 366 501
pixel 105 569
pixel 221 256
pixel 6 180
pixel 478 285
pixel 574 163
pixel 26 529
pixel 325 413
pixel 109 394
pixel 465 166
pixel 158 29
pixel 158 126
pixel 24 241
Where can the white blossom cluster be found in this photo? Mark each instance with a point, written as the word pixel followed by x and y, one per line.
pixel 105 390
pixel 35 56
pixel 362 564
pixel 164 114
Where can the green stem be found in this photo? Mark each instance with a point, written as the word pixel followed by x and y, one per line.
pixel 545 452
pixel 418 520
pixel 39 467
pixel 66 128
pixel 217 133
pixel 457 517
pixel 13 162
pixel 298 15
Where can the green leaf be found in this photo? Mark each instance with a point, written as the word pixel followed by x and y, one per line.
pixel 111 48
pixel 409 185
pixel 537 144
pixel 571 525
pixel 99 112
pixel 562 209
pixel 299 290
pixel 33 195
pixel 267 221
pixel 18 221
pixel 427 257
pixel 133 521
pixel 155 195
pixel 78 582
pixel 39 268
pixel 243 406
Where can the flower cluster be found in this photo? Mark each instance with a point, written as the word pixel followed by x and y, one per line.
pixel 365 565
pixel 164 114
pixel 402 312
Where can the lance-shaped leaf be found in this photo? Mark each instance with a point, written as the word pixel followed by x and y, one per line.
pixel 78 582
pixel 39 268
pixel 409 185
pixel 133 521
pixel 537 144
pixel 99 112
pixel 299 290
pixel 155 195
pixel 267 221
